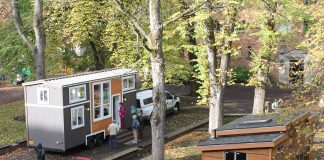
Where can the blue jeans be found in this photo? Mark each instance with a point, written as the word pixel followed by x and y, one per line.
pixel 112 142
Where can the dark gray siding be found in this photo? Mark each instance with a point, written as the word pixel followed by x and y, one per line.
pixel 66 100
pixel 45 125
pixel 130 101
pixel 76 136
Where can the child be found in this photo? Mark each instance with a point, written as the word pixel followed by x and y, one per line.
pixel 135 125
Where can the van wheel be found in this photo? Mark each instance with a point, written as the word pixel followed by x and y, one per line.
pixel 176 108
pixel 99 139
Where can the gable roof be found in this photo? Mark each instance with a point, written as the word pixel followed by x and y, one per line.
pixel 83 77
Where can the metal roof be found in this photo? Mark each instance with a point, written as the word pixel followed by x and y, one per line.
pixel 83 77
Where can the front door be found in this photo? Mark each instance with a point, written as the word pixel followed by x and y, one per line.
pixel 116 101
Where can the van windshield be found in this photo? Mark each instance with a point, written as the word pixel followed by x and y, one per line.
pixel 147 101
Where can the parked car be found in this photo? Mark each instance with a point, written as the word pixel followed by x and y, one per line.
pixel 145 103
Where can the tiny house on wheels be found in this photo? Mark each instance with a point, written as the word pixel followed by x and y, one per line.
pixel 65 112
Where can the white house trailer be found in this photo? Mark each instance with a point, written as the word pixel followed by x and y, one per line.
pixel 65 112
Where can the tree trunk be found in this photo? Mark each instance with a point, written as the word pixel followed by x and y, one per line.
pixel 259 95
pixel 96 56
pixel 157 61
pixel 37 49
pixel 261 75
pixel 214 111
pixel 40 40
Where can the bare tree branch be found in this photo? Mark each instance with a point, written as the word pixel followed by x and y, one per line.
pixel 19 26
pixel 274 10
pixel 179 15
pixel 132 19
pixel 143 40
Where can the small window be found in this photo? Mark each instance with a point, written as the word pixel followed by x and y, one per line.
pixel 235 156
pixel 77 117
pixel 148 101
pixel 129 83
pixel 77 93
pixel 249 52
pixel 43 95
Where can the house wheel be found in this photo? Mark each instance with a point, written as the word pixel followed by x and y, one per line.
pixel 91 143
pixel 176 108
pixel 99 139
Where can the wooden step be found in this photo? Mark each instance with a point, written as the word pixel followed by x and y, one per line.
pixel 125 136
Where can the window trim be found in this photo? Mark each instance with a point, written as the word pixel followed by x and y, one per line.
pixel 102 117
pixel 39 89
pixel 128 88
pixel 78 125
pixel 77 99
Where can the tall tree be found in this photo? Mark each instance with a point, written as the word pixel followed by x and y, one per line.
pixel 217 45
pixel 152 40
pixel 37 49
pixel 261 60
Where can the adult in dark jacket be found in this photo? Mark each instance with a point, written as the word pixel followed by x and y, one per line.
pixel 141 124
pixel 40 152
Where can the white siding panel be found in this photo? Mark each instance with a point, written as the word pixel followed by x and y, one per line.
pixel 46 126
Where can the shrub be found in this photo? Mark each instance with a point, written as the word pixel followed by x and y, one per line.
pixel 241 75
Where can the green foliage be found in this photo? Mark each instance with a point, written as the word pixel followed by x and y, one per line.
pixel 14 54
pixel 241 74
pixel 11 130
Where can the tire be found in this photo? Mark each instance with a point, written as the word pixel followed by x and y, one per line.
pixel 176 108
pixel 99 139
pixel 91 143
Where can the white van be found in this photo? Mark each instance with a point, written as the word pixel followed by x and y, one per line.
pixel 145 103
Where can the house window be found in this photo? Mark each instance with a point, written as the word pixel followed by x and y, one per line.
pixel 77 117
pixel 249 52
pixel 77 93
pixel 235 156
pixel 128 83
pixel 101 100
pixel 43 95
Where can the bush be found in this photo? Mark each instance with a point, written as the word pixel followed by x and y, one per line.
pixel 241 75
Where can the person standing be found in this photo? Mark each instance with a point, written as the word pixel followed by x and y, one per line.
pixel 113 129
pixel 141 124
pixel 40 152
pixel 122 113
pixel 135 125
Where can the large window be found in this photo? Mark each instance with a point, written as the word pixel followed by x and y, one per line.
pixel 43 95
pixel 77 93
pixel 128 83
pixel 235 156
pixel 77 117
pixel 101 100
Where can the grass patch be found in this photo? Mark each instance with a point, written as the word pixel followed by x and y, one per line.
pixel 11 130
